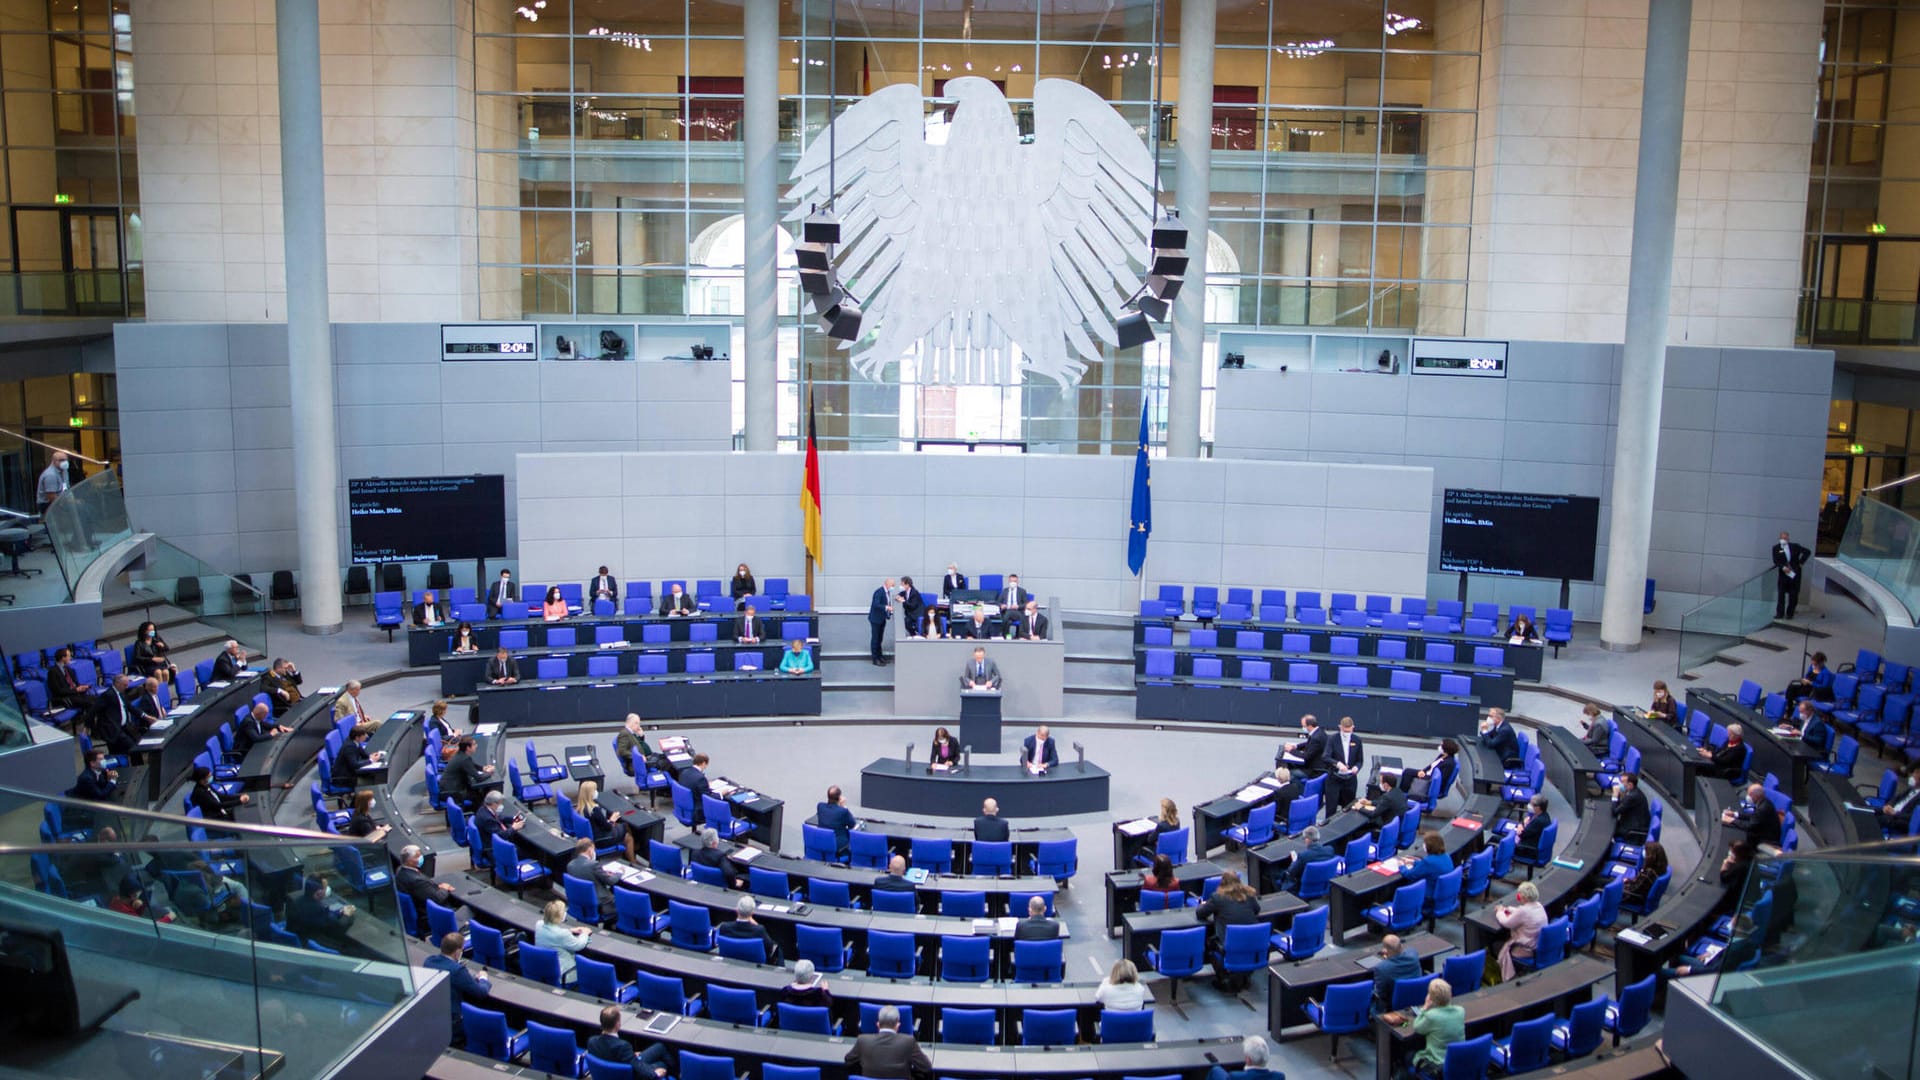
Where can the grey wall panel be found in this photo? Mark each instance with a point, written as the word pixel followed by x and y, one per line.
pixel 503 385
pixel 268 469
pixel 1063 530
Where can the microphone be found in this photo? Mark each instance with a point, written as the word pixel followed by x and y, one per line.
pixel 966 758
pixel 909 753
pixel 1081 751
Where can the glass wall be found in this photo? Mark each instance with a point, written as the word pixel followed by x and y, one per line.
pixel 69 180
pixel 610 174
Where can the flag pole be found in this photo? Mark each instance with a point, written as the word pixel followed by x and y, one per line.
pixel 807 435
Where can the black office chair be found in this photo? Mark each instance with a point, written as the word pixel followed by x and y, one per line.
pixel 283 588
pixel 15 543
pixel 186 592
pixel 393 577
pixel 358 584
pixel 439 578
pixel 239 592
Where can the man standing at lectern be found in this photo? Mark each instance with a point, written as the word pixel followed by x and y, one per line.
pixel 1038 753
pixel 878 612
pixel 981 674
pixel 1788 559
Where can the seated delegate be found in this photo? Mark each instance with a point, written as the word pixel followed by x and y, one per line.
pixel 428 611
pixel 555 606
pixel 743 588
pixel 796 660
pixel 945 753
pixel 1038 753
pixel 1032 625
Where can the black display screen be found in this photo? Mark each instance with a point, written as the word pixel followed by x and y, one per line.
pixel 1519 534
pixel 427 518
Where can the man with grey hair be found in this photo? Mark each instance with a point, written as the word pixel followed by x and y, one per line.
pixel 1314 852
pixel 744 927
pixel 492 820
pixel 231 663
pixel 1253 1051
pixel 348 704
pixel 887 1054
pixel 413 881
pixel 709 854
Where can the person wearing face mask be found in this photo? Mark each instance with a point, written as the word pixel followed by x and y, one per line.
pixel 1897 813
pixel 53 480
pixel 313 915
pixel 150 653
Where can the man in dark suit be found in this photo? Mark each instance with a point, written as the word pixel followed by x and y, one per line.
pixel 63 686
pixel 1730 760
pixel 256 727
pixel 503 670
pixel 709 854
pixel 694 779
pixel 990 826
pixel 879 610
pixel 313 915
pixel 1032 625
pixel 1632 817
pixel 1788 560
pixel 1037 751
pixel 463 777
pixel 414 882
pixel 743 926
pixel 230 664
pixel 1388 804
pixel 428 611
pixel 1526 844
pixel 955 580
pixel 492 819
pixel 1311 749
pixel 585 867
pixel 1314 852
pixel 468 987
pixel 1344 755
pixel 676 601
pixel 97 783
pixel 283 685
pixel 1899 811
pixel 501 592
pixel 886 1054
pixel 654 1062
pixel 1395 963
pixel 1036 926
pixel 604 586
pixel 980 673
pixel 978 626
pixel 895 879
pixel 750 628
pixel 832 815
pixel 1013 598
pixel 1290 789
pixel 1759 817
pixel 110 721
pixel 1499 736
pixel 353 758
pixel 913 607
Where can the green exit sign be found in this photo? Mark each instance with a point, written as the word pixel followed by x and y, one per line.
pixel 1856 448
pixel 62 200
pixel 76 421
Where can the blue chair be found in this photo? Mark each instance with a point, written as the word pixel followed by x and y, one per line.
pixel 583 899
pixel 1626 1017
pixel 489 946
pixel 541 964
pixel 633 913
pixel 487 1032
pixel 1655 893
pixel 818 844
pixel 967 1026
pixel 1558 629
pixel 602 1069
pixel 664 993
pixel 970 905
pixel 527 793
pixel 869 850
pixel 690 926
pixel 666 858
pixel 831 893
pixel 1039 962
pixel 509 867
pixel 933 855
pixel 808 1018
pixel 1465 973
pixel 1301 813
pixel 1586 920
pixel 747 950
pixel 387 616
pixel 1346 1011
pixel 1579 1034
pixel 1317 879
pixel 1244 949
pixel 992 859
pixel 1445 898
pixel 870 1014
pixel 1410 992
pixel 1180 954
pixel 1126 1025
pixel 762 881
pixel 895 901
pixel 824 945
pixel 1403 912
pixel 735 1005
pixel 1048 1027
pixel 1477 881
pixel 1528 1048
pixel 602 981
pixel 1057 859
pixel 720 818
pixel 1258 828
pixel 1305 937
pixel 1162 900
pixel 1542 856
pixel 1551 948
pixel 892 956
pixel 354 869
pixel 1468 1059
pixel 965 959
pixel 706 1066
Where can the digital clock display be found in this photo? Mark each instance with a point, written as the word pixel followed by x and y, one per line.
pixel 1456 356
pixel 489 341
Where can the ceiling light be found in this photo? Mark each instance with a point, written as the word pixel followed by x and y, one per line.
pixel 1303 50
pixel 1400 24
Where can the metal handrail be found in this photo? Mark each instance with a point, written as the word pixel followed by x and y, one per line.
pixel 50 446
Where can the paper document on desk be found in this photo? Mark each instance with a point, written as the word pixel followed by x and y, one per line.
pixel 149 744
pixel 183 710
pixel 985 926
pixel 580 759
pixel 1140 827
pixel 673 744
pixel 1007 924
pixel 161 724
pixel 1251 794
pixel 721 788
pixel 220 684
pixel 485 730
pixel 1269 781
pixel 746 853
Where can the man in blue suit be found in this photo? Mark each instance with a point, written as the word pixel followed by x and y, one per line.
pixel 1037 752
pixel 1499 737
pixel 1395 964
pixel 467 987
pixel 1253 1051
pixel 832 815
pixel 878 612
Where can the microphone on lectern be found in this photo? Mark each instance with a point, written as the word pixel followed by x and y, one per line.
pixel 1081 751
pixel 910 754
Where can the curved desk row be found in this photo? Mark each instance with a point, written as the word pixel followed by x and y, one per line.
pixel 275 762
pixel 1554 989
pixel 460 673
pixel 168 754
pixel 1525 660
pixel 1493 685
pixel 1377 710
pixel 1071 787
pixel 1785 756
pixel 1667 756
pixel 425 644
pixel 859 880
pixel 900 836
pixel 1141 929
pixel 1562 883
pixel 656 697
pixel 1464 835
pixel 1692 900
pixel 1269 862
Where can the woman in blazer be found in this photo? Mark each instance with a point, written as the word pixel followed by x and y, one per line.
pixel 555 607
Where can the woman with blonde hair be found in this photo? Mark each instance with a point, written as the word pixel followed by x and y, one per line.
pixel 586 804
pixel 1524 919
pixel 554 933
pixel 1169 818
pixel 1122 988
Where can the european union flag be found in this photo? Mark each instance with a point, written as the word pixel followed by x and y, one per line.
pixel 1140 521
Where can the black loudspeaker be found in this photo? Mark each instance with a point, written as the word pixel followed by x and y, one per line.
pixel 1165 286
pixel 1133 329
pixel 1154 307
pixel 810 256
pixel 1168 263
pixel 816 283
pixel 821 229
pixel 842 321
pixel 1168 233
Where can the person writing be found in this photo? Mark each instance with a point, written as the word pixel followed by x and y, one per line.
pixel 980 673
pixel 1388 804
pixel 1812 728
pixel 554 608
pixel 1521 632
pixel 1037 751
pixel 976 627
pixel 1310 753
pixel 502 670
pixel 463 642
pixel 1663 705
pixel 428 611
pixel 945 753
pixel 354 759
pixel 796 660
pixel 1430 865
pixel 743 587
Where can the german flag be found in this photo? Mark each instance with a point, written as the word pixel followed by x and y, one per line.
pixel 810 490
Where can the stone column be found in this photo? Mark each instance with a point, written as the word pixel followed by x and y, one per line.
pixel 761 143
pixel 1193 182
